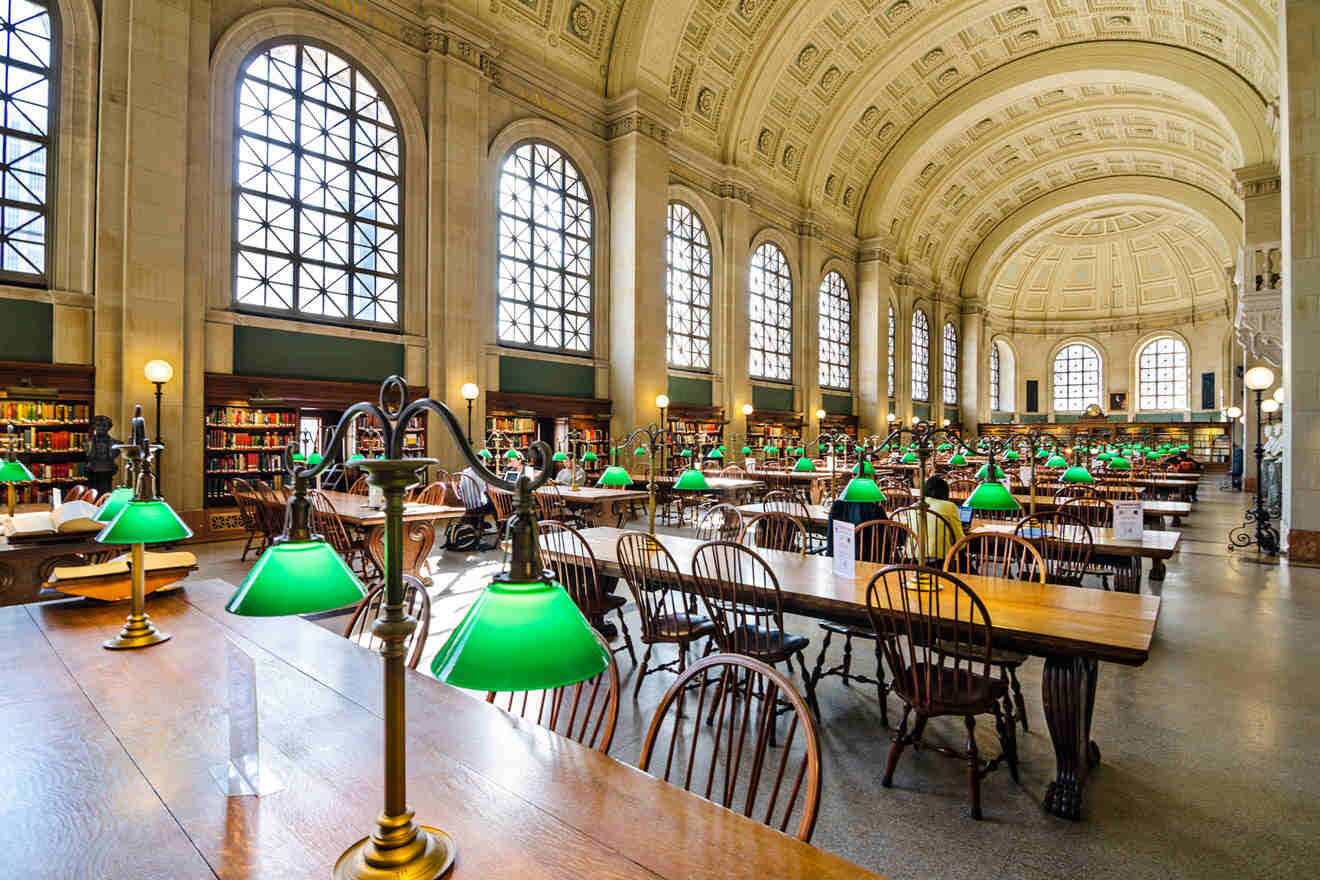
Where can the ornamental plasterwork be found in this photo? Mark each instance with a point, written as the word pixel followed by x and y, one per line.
pixel 570 36
pixel 1258 322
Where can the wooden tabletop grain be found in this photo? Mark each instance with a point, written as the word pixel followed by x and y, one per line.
pixel 597 495
pixel 114 750
pixel 819 514
pixel 1154 543
pixel 1041 619
pixel 353 509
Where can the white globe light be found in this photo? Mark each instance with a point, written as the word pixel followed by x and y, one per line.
pixel 1259 378
pixel 747 409
pixel 1234 412
pixel 820 414
pixel 1279 394
pixel 158 371
pixel 661 400
pixel 890 417
pixel 1270 405
pixel 469 391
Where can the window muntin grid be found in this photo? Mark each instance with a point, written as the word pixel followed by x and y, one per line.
pixel 770 316
pixel 920 356
pixel 835 355
pixel 994 376
pixel 892 334
pixel 1162 374
pixel 1076 377
pixel 27 35
pixel 687 289
pixel 949 355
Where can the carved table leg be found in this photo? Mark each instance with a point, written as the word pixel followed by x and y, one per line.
pixel 1069 699
pixel 1157 570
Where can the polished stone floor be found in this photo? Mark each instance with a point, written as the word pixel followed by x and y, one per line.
pixel 1209 761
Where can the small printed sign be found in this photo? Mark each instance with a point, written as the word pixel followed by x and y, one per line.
pixel 1128 517
pixel 845 549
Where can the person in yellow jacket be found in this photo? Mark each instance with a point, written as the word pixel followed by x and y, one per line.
pixel 938 538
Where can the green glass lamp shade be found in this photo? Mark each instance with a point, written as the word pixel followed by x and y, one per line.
pixel 769 450
pixel 944 447
pixel 314 459
pixel 992 495
pixel 559 456
pixel 588 457
pixel 521 637
pixel 909 458
pixel 1042 454
pixel 804 464
pixel 747 450
pixel 862 489
pixel 640 450
pixel 1077 474
pixel 1011 455
pixel 722 448
pixel 958 459
pixel 1056 461
pixel 485 453
pixel 144 522
pixel 1119 463
pixel 715 453
pixel 1152 454
pixel 298 458
pixel 865 468
pixel 686 453
pixel 1184 448
pixel 1104 456
pixel 840 448
pixel 822 448
pixel 15 472
pixel 692 479
pixel 296 578
pixel 357 456
pixel 115 503
pixel 511 455
pixel 984 472
pixel 615 477
pixel 884 447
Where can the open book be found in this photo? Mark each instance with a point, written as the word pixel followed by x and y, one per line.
pixel 71 516
pixel 120 566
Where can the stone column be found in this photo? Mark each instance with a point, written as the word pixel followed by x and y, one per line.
pixel 143 215
pixel 973 369
pixel 903 297
pixel 736 226
pixel 806 331
pixel 639 178
pixel 872 328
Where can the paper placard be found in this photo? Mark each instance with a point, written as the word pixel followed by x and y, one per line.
pixel 375 496
pixel 749 464
pixel 1128 520
pixel 1024 474
pixel 845 549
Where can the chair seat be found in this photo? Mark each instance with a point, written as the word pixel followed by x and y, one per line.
pixel 998 656
pixel 683 626
pixel 767 643
pixel 977 696
pixel 856 632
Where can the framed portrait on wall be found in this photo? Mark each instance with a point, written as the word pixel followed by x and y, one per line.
pixel 1118 401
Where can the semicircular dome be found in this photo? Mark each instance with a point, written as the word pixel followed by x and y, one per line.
pixel 1109 264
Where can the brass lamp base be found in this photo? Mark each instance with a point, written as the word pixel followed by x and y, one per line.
pixel 435 856
pixel 137 633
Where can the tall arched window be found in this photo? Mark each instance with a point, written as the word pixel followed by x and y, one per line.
pixel 994 376
pixel 835 333
pixel 687 289
pixel 950 358
pixel 920 356
pixel 1162 374
pixel 770 310
pixel 317 225
pixel 892 331
pixel 26 53
pixel 544 287
pixel 1076 377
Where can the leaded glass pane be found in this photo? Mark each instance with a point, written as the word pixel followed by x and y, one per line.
pixel 687 289
pixel 770 313
pixel 950 358
pixel 891 350
pixel 26 38
pixel 994 376
pixel 1076 377
pixel 1162 374
pixel 920 356
pixel 835 333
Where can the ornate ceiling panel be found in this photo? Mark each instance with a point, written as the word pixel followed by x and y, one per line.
pixel 572 37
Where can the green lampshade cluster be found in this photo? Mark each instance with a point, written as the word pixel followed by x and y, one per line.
pixel 559 456
pixel 298 458
pixel 640 450
pixel 984 472
pixel 944 447
pixel 113 504
pixel 992 495
pixel 15 472
pixel 769 450
pixel 296 578
pixel 864 468
pixel 862 489
pixel 957 459
pixel 692 480
pixel 746 450
pixel 909 457
pixel 588 457
pixel 519 637
pixel 1077 474
pixel 1119 463
pixel 1011 455
pixel 144 522
pixel 615 477
pixel 804 464
pixel 1056 461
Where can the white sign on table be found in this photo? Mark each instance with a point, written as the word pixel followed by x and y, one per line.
pixel 845 549
pixel 246 772
pixel 1024 474
pixel 749 464
pixel 1128 516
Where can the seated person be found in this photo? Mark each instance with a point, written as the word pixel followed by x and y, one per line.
pixel 565 475
pixel 938 539
pixel 855 512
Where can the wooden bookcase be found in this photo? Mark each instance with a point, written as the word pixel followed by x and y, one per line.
pixel 526 418
pixel 1209 441
pixel 840 424
pixel 782 428
pixel 50 407
pixel 699 428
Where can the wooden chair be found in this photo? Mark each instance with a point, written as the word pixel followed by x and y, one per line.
pixel 734 471
pixel 325 521
pixel 991 554
pixel 504 504
pixel 882 542
pixel 711 466
pixel 720 522
pixel 1119 491
pixel 433 493
pixel 585 712
pixel 669 615
pixel 416 604
pixel 272 507
pixel 1095 512
pixel 359 486
pixel 418 542
pixel 550 505
pixel 783 501
pixel 943 536
pixel 907 603
pixel 743 599
pixel 1064 541
pixel 1064 491
pixel 575 567
pixel 898 497
pixel 709 762
pixel 961 487
pixel 249 512
pixel 775 531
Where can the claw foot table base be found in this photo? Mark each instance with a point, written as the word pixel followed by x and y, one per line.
pixel 1068 690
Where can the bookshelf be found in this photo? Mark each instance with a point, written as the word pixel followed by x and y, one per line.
pixel 699 428
pixel 526 418
pixel 245 441
pixel 50 407
pixel 1209 441
pixel 782 429
pixel 840 424
pixel 594 435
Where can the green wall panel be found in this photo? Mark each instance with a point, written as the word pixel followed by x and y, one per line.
pixel 1211 415
pixel 1002 418
pixel 836 404
pixel 1033 418
pixel 922 410
pixel 772 398
pixel 282 353
pixel 1064 418
pixel 27 331
pixel 528 376
pixel 1158 417
pixel 695 392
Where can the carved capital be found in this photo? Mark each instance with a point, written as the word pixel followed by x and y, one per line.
pixel 731 190
pixel 873 254
pixel 636 121
pixel 808 229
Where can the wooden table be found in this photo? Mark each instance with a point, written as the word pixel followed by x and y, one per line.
pixel 816 481
pixel 353 510
pixel 26 563
pixel 603 501
pixel 1155 545
pixel 731 488
pixel 1149 508
pixel 110 758
pixel 1073 628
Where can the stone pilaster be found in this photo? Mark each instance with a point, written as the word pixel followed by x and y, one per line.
pixel 973 369
pixel 806 336
pixel 871 323
pixel 736 222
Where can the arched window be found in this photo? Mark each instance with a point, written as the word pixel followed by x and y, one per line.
pixel 26 53
pixel 1076 377
pixel 544 288
pixel 920 356
pixel 835 333
pixel 687 289
pixel 317 225
pixel 891 349
pixel 994 376
pixel 950 358
pixel 770 346
pixel 1162 374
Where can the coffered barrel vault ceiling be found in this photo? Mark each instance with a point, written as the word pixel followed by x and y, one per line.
pixel 920 125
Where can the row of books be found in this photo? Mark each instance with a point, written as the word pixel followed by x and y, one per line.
pixel 242 415
pixel 40 411
pixel 45 440
pixel 510 425
pixel 59 470
pixel 220 488
pixel 232 440
pixel 246 461
pixel 769 430
pixel 684 427
pixel 594 435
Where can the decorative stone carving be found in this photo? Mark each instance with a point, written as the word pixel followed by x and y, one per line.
pixel 830 79
pixel 902 7
pixel 848 195
pixel 637 122
pixel 831 184
pixel 765 142
pixel 1258 323
pixel 731 190
pixel 807 57
pixel 706 102
pixel 790 156
pixel 581 19
pixel 947 76
pixel 748 7
pixel 886 131
pixel 932 56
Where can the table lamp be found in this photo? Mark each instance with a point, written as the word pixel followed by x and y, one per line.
pixel 144 519
pixel 992 495
pixel 803 465
pixel 984 472
pixel 13 471
pixel 692 480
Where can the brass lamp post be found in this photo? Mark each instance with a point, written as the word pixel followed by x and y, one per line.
pixel 655 437
pixel 924 438
pixel 12 470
